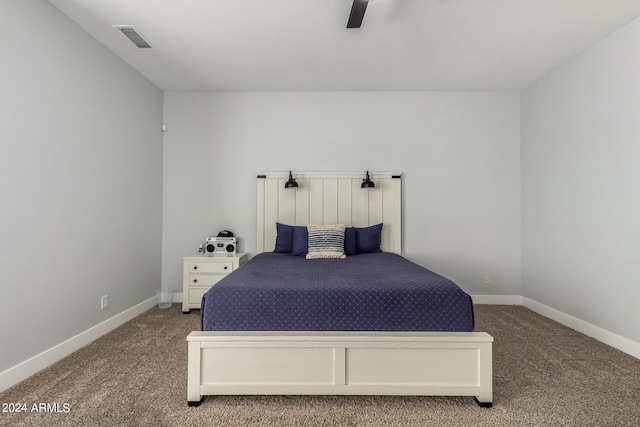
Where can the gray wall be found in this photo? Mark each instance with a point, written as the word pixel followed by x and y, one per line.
pixel 80 181
pixel 580 186
pixel 460 153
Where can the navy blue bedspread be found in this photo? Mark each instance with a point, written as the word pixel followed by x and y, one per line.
pixel 364 292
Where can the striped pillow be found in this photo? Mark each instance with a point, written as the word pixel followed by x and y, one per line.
pixel 326 241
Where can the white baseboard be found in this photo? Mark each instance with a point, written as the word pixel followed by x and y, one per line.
pixel 497 299
pixel 25 369
pixel 614 340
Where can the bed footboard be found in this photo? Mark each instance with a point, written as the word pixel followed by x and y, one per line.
pixel 340 363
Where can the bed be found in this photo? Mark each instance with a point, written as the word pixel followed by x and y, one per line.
pixel 371 323
pixel 364 292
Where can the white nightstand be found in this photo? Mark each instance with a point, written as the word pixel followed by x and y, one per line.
pixel 200 272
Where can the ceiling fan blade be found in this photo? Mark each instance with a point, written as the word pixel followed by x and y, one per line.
pixel 357 13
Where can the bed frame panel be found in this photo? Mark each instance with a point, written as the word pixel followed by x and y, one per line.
pixel 337 363
pixel 351 363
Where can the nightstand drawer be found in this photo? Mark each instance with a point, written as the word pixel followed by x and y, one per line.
pixel 211 267
pixel 195 295
pixel 204 279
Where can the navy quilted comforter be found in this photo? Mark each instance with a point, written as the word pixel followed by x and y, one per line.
pixel 364 292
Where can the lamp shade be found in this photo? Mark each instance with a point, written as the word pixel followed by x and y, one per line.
pixel 291 183
pixel 367 183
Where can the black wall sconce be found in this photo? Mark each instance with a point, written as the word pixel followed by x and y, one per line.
pixel 291 183
pixel 367 183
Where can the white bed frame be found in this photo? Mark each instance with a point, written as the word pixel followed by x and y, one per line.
pixel 337 363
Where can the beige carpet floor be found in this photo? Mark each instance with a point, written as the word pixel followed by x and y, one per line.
pixel 544 375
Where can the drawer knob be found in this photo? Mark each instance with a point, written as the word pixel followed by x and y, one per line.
pixel 195 267
pixel 195 280
pixel 225 267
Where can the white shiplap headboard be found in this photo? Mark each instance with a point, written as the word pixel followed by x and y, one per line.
pixel 330 198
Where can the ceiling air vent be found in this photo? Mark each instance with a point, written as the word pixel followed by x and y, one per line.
pixel 134 36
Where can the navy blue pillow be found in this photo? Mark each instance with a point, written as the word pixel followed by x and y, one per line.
pixel 284 238
pixel 350 245
pixel 368 239
pixel 300 241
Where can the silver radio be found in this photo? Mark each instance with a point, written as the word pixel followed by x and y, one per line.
pixel 220 245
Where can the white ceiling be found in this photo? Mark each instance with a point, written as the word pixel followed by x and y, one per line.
pixel 304 45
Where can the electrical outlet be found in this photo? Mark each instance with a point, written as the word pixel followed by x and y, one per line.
pixel 104 302
pixel 487 279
